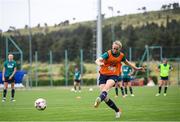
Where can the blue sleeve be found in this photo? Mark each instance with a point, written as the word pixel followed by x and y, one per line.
pixel 5 64
pixel 15 64
pixel 124 58
pixel 105 55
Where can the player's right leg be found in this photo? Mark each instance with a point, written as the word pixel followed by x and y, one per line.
pixel 104 88
pixel 102 82
pixel 104 97
pixel 98 99
pixel 160 87
pixel 121 87
pixel 130 88
pixel 75 84
pixel 5 90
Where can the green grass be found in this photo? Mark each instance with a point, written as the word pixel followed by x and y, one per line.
pixel 63 105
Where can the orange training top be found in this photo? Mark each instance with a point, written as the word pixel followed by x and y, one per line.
pixel 112 65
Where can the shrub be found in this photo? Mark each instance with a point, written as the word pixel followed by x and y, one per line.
pixel 62 82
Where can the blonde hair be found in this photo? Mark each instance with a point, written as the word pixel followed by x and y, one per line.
pixel 117 42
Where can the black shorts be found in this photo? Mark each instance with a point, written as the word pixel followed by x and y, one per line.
pixel 77 81
pixel 104 78
pixel 164 78
pixel 9 81
pixel 119 78
pixel 126 79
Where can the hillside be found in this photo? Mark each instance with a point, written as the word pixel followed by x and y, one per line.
pixel 136 20
pixel 160 28
pixel 157 28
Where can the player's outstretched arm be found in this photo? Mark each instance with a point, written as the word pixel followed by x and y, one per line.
pixel 133 66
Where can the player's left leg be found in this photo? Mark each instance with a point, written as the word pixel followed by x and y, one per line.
pixel 122 89
pixel 125 88
pixel 165 88
pixel 12 91
pixel 109 84
pixel 79 85
pixel 116 89
pixel 112 105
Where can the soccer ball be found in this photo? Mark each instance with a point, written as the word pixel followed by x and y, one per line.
pixel 40 104
pixel 90 89
pixel 72 90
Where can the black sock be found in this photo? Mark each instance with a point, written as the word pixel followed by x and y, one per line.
pixel 74 87
pixel 122 91
pixel 125 90
pixel 112 105
pixel 165 89
pixel 4 92
pixel 130 89
pixel 103 95
pixel 116 89
pixel 12 93
pixel 160 89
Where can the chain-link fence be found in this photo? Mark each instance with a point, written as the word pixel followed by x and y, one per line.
pixel 57 68
pixel 151 57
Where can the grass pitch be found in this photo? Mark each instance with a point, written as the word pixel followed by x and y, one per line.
pixel 64 105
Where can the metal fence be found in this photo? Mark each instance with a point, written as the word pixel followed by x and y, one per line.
pixel 52 72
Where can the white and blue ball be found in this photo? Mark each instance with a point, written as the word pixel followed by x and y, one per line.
pixel 40 104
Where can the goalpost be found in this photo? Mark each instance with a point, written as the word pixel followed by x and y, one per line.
pixel 9 41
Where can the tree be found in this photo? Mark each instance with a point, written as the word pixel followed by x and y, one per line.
pixel 175 6
pixel 164 7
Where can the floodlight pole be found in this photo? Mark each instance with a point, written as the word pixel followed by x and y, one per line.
pixel 99 34
pixel 30 42
pixel 99 31
pixel 112 24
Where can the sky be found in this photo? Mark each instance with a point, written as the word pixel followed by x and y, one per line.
pixel 16 13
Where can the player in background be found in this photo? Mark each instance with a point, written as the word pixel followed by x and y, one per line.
pixel 77 79
pixel 164 69
pixel 110 65
pixel 127 72
pixel 8 73
pixel 119 85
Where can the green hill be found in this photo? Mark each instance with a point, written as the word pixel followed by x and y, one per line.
pixel 136 20
pixel 136 30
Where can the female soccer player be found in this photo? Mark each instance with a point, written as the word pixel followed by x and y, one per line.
pixel 8 73
pixel 126 77
pixel 119 84
pixel 77 79
pixel 110 65
pixel 164 70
